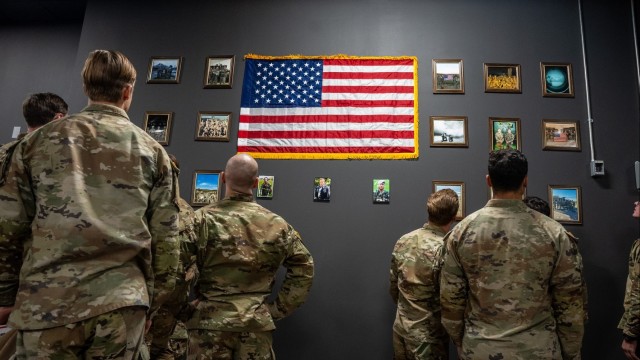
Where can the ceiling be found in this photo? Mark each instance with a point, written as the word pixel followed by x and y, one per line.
pixel 41 11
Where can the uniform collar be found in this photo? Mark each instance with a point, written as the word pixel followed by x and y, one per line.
pixel 240 197
pixel 109 109
pixel 436 229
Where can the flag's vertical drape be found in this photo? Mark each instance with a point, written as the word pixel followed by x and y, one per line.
pixel 329 107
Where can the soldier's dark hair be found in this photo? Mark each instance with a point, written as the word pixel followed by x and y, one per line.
pixel 507 169
pixel 537 204
pixel 442 207
pixel 105 75
pixel 40 108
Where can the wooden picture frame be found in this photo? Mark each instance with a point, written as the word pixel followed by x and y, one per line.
pixel 566 203
pixel 218 71
pixel 213 126
pixel 266 184
pixel 504 134
pixel 502 78
pixel 560 135
pixel 164 70
pixel 449 131
pixel 206 187
pixel 158 125
pixel 447 76
pixel 556 79
pixel 458 187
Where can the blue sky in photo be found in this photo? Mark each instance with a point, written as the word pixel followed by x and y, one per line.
pixel 566 193
pixel 207 181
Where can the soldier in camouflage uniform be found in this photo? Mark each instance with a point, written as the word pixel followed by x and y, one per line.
pixel 511 282
pixel 38 109
pixel 165 321
pixel 88 221
pixel 630 322
pixel 415 282
pixel 241 245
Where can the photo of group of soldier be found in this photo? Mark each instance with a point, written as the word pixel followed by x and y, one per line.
pixel 205 187
pixel 213 127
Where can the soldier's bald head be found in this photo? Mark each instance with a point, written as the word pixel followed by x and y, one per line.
pixel 241 170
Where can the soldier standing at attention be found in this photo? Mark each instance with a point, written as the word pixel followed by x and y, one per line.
pixel 630 322
pixel 511 282
pixel 241 246
pixel 415 281
pixel 165 322
pixel 88 222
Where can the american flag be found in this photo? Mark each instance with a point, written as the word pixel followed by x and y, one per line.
pixel 334 107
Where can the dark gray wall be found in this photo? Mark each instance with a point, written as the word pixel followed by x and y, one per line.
pixel 349 313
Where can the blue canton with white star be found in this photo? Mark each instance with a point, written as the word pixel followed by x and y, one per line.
pixel 282 83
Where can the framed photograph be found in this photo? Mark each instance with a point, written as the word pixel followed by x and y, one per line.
pixel 381 190
pixel 502 78
pixel 448 76
pixel 218 72
pixel 265 186
pixel 322 189
pixel 164 70
pixel 504 133
pixel 566 203
pixel 158 125
pixel 563 135
pixel 449 131
pixel 213 126
pixel 205 187
pixel 458 187
pixel 556 79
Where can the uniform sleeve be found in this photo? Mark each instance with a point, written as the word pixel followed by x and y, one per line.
pixel 568 299
pixel 630 323
pixel 163 225
pixel 453 291
pixel 298 279
pixel 17 207
pixel 393 279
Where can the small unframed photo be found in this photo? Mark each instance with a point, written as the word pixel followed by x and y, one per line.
pixel 381 191
pixel 265 186
pixel 322 189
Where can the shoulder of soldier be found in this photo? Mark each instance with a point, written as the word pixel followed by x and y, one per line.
pixel 6 153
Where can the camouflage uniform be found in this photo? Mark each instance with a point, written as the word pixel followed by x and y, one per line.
pixel 164 323
pixel 511 286
pixel 414 287
pixel 241 246
pixel 88 220
pixel 630 322
pixel 381 196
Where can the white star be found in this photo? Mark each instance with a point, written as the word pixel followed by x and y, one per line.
pixel 257 91
pixel 259 64
pixel 306 64
pixel 318 64
pixel 258 82
pixel 262 96
pixel 264 87
pixel 268 101
pixel 304 100
pixel 280 101
pixel 256 101
pixel 316 100
pixel 270 64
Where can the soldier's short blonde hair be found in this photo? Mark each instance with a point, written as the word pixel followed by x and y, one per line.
pixel 442 207
pixel 105 74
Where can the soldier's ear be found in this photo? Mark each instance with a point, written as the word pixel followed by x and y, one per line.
pixel 222 178
pixel 488 181
pixel 255 183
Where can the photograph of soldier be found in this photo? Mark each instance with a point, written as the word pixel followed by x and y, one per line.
pixel 164 70
pixel 205 187
pixel 213 126
pixel 381 188
pixel 219 72
pixel 504 133
pixel 322 189
pixel 265 186
pixel 158 125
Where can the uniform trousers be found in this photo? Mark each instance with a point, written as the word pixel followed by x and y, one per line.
pixel 117 334
pixel 227 345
